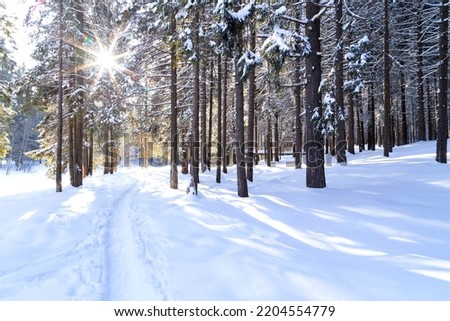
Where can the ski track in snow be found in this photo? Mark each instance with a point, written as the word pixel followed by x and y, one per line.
pixel 132 263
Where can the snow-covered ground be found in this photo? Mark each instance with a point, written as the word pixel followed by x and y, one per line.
pixel 379 231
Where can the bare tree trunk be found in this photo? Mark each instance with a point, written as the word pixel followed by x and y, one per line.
pixel 78 112
pixel 442 126
pixel 341 142
pixel 403 139
pixel 204 136
pixel 251 112
pixel 387 84
pixel 371 135
pixel 107 153
pixel 210 117
pixel 421 127
pixel 71 144
pixel 269 142
pixel 361 138
pixel 256 147
pixel 91 153
pixel 184 160
pixel 276 138
pixel 431 113
pixel 60 102
pixel 298 119
pixel 315 171
pixel 224 129
pixel 196 105
pixel 298 102
pixel 219 119
pixel 240 136
pixel 173 109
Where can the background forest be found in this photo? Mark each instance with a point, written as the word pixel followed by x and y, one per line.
pixel 202 85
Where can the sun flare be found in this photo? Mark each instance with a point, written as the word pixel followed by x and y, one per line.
pixel 106 59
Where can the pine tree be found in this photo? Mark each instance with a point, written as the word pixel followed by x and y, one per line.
pixel 7 66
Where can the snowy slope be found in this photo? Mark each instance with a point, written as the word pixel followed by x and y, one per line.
pixel 379 231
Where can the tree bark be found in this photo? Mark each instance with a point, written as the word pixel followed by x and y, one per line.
pixel 371 134
pixel 403 139
pixel 442 113
pixel 196 105
pixel 269 142
pixel 204 141
pixel 276 141
pixel 78 115
pixel 240 136
pixel 210 117
pixel 60 102
pixel 173 108
pixel 315 171
pixel 298 119
pixel 251 112
pixel 219 119
pixel 431 113
pixel 341 142
pixel 421 127
pixel 91 153
pixel 387 84
pixel 224 121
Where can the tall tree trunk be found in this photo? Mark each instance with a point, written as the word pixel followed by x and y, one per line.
pixel 240 136
pixel 126 151
pixel 256 148
pixel 78 115
pixel 60 102
pixel 219 119
pixel 315 171
pixel 91 153
pixel 351 123
pixel 403 139
pixel 106 152
pixel 204 135
pixel 298 101
pixel 210 117
pixel 251 112
pixel 351 119
pixel 71 143
pixel 371 135
pixel 196 105
pixel 421 127
pixel 224 121
pixel 341 143
pixel 298 119
pixel 173 108
pixel 276 141
pixel 431 113
pixel 269 142
pixel 387 84
pixel 442 113
pixel 184 156
pixel 361 139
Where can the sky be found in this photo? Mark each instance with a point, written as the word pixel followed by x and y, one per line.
pixel 19 9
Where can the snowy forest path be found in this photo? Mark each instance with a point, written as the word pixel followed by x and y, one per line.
pixel 131 262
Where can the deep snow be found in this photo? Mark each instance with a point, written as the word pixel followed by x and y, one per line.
pixel 379 231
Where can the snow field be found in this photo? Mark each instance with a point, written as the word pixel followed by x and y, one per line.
pixel 379 231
